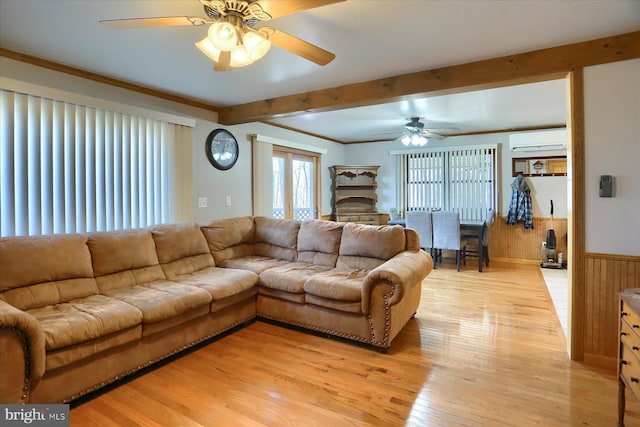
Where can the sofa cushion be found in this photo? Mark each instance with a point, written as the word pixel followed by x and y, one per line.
pixel 230 237
pixel 43 270
pixel 123 259
pixel 72 353
pixel 181 248
pixel 290 277
pixel 221 282
pixel 319 242
pixel 162 300
pixel 337 284
pixel 84 319
pixel 276 238
pixel 257 264
pixel 367 246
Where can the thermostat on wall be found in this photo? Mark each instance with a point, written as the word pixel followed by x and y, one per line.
pixel 606 186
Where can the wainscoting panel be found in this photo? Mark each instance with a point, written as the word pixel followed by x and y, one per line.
pixel 605 276
pixel 515 243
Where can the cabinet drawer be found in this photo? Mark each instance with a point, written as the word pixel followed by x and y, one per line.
pixel 630 369
pixel 629 336
pixel 630 316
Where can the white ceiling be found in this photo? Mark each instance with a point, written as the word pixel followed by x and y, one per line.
pixel 372 39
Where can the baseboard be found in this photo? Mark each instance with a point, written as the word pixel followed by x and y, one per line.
pixel 516 261
pixel 604 362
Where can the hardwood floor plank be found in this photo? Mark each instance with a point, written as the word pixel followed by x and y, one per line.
pixel 484 349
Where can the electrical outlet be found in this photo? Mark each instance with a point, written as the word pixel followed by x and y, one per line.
pixel 227 200
pixel 202 202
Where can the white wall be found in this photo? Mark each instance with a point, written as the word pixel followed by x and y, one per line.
pixel 612 147
pixel 215 185
pixel 543 189
pixel 207 181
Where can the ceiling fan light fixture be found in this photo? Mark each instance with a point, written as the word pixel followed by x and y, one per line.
pixel 414 139
pixel 223 35
pixel 257 45
pixel 418 140
pixel 208 49
pixel 240 56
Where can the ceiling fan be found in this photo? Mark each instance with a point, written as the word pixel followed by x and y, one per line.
pixel 235 38
pixel 416 134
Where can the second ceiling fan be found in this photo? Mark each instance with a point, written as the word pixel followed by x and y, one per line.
pixel 416 134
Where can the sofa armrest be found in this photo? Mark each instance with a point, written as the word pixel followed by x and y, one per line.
pixel 403 270
pixel 22 354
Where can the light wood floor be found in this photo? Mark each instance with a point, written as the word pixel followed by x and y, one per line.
pixel 485 349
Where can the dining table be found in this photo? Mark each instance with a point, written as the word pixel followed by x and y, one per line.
pixel 477 226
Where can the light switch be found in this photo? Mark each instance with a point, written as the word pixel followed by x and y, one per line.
pixel 227 200
pixel 202 202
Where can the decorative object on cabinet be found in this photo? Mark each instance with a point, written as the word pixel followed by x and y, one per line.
pixel 354 194
pixel 628 349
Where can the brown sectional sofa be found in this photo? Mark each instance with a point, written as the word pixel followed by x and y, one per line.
pixel 80 311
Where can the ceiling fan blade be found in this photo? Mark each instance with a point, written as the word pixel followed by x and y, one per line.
pixel 168 21
pixel 301 48
pixel 443 130
pixel 278 8
pixel 223 62
pixel 428 134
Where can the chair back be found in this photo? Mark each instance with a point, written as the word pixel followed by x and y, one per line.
pixel 446 230
pixel 421 222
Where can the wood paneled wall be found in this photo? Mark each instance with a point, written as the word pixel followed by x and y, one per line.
pixel 515 243
pixel 605 276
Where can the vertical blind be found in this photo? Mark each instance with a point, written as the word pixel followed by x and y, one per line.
pixel 462 180
pixel 68 168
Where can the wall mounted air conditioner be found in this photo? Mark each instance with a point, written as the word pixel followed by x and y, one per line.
pixel 539 141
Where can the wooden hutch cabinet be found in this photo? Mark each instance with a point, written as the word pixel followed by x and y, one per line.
pixel 354 194
pixel 629 349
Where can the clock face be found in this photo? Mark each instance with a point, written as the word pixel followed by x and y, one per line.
pixel 222 149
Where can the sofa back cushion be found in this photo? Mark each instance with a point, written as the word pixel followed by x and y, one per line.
pixel 412 238
pixel 276 238
pixel 367 246
pixel 124 258
pixel 181 248
pixel 44 270
pixel 230 238
pixel 319 242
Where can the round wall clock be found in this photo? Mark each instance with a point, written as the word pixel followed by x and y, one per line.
pixel 222 149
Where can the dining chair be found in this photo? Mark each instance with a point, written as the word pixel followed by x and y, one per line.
pixel 446 235
pixel 473 246
pixel 421 222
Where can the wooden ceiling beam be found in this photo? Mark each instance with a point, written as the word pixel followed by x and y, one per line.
pixel 514 69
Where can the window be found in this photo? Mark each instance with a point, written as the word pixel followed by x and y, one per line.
pixel 69 168
pixel 294 184
pixel 461 180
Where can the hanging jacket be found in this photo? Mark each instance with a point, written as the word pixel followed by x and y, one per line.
pixel 520 208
